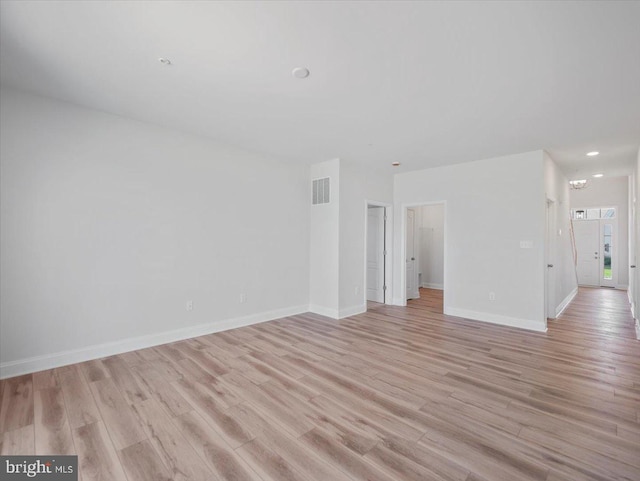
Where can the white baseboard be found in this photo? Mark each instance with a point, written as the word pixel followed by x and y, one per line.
pixel 637 329
pixel 49 361
pixel 431 285
pixel 622 287
pixel 563 305
pixel 528 324
pixel 338 314
pixel 398 301
pixel 352 311
pixel 324 311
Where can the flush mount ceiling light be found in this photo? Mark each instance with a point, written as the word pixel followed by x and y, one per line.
pixel 578 184
pixel 597 176
pixel 300 72
pixel 395 164
pixel 592 154
pixel 164 61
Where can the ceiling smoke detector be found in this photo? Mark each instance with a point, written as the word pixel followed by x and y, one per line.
pixel 300 72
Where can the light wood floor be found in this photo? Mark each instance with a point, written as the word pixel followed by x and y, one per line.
pixel 394 394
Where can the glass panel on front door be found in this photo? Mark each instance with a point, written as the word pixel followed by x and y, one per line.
pixel 607 273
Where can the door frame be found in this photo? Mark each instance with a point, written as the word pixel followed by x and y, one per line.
pixel 415 258
pixel 402 301
pixel 388 243
pixel 615 264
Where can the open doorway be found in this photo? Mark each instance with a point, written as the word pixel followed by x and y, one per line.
pixel 424 254
pixel 377 258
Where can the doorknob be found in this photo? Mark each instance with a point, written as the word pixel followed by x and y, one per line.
pixel 549 265
pixel 413 258
pixel 633 267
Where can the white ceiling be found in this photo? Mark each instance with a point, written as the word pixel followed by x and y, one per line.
pixel 424 83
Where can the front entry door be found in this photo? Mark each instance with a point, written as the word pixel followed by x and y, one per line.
pixel 587 234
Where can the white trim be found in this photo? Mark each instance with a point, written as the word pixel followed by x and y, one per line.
pixel 637 330
pixel 352 311
pixel 431 285
pixel 528 324
pixel 622 287
pixel 324 311
pixel 49 361
pixel 563 305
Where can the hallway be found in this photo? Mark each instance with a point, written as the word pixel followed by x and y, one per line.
pixel 597 311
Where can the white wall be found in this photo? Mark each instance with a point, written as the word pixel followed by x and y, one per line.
pixel 610 192
pixel 564 282
pixel 431 245
pixel 357 186
pixel 325 243
pixel 337 240
pixel 491 206
pixel 109 225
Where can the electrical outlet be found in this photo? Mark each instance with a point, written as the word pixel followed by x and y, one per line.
pixel 243 298
pixel 492 296
pixel 189 306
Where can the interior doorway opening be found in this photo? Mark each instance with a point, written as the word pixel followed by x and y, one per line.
pixel 377 254
pixel 425 254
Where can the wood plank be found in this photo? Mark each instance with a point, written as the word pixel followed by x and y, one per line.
pixel 94 370
pixel 79 402
pixel 52 431
pixel 142 463
pixel 20 441
pixel 160 389
pixel 221 459
pixel 123 426
pixel 44 379
pixel 97 458
pixel 336 454
pixel 178 456
pixel 16 410
pixel 228 427
pixel 269 465
pixel 120 371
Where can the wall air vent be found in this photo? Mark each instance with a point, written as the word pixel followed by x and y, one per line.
pixel 321 191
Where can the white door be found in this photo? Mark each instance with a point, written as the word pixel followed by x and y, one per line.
pixel 411 262
pixel 550 251
pixel 375 254
pixel 587 234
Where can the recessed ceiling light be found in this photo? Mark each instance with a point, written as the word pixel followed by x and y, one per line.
pixel 592 154
pixel 395 164
pixel 164 61
pixel 300 72
pixel 597 175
